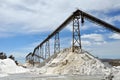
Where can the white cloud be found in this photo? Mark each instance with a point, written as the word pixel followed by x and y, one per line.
pixel 101 30
pixel 114 18
pixel 95 37
pixel 86 43
pixel 4 35
pixel 107 50
pixel 31 16
pixel 93 40
pixel 115 36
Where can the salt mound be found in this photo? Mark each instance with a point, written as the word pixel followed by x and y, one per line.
pixel 116 72
pixel 9 66
pixel 3 74
pixel 68 62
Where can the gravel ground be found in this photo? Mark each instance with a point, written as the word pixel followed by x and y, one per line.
pixel 26 76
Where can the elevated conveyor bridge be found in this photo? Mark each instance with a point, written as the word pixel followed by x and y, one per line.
pixel 42 51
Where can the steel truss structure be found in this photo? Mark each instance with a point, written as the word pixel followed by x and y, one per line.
pixel 47 50
pixel 57 43
pixel 76 33
pixel 42 51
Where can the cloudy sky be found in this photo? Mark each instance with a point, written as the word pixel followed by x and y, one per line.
pixel 25 23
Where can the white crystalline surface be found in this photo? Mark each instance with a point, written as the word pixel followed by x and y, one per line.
pixel 77 63
pixel 8 66
pixel 3 74
pixel 116 73
pixel 68 62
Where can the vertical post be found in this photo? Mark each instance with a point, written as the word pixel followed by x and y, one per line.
pixel 35 58
pixel 42 51
pixel 39 52
pixel 57 43
pixel 76 43
pixel 32 58
pixel 27 58
pixel 47 50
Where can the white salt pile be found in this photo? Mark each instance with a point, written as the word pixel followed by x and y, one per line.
pixel 68 62
pixel 3 74
pixel 116 73
pixel 8 66
pixel 78 63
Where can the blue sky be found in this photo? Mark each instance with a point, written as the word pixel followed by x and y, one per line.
pixel 25 23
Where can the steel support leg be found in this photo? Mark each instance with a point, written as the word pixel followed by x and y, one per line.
pixel 32 58
pixel 57 43
pixel 42 51
pixel 76 43
pixel 47 50
pixel 37 53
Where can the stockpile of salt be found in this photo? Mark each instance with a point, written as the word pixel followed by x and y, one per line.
pixel 8 66
pixel 68 62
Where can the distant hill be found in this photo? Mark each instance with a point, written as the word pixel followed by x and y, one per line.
pixel 113 62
